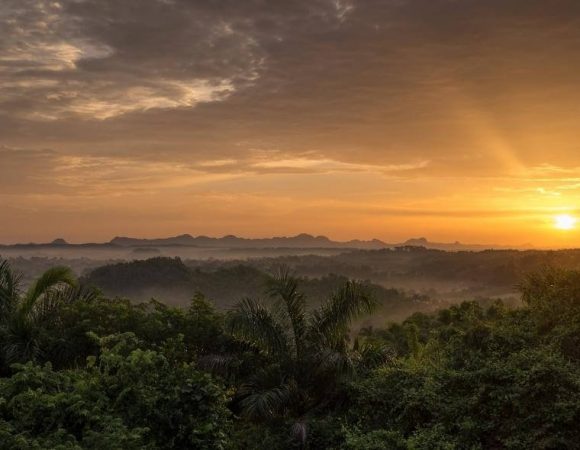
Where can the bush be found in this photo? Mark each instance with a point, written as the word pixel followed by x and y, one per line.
pixel 127 398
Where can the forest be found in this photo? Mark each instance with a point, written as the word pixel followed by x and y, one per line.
pixel 443 276
pixel 80 369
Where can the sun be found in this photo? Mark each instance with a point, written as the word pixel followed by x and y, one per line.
pixel 565 222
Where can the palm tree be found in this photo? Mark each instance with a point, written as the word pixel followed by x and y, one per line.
pixel 308 354
pixel 26 315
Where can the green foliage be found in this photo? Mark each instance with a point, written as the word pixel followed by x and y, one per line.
pixel 553 296
pixel 96 373
pixel 306 354
pixel 475 378
pixel 180 406
pixel 40 408
pixel 28 320
pixel 374 440
pixel 128 398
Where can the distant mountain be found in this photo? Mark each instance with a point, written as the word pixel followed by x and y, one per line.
pixel 183 239
pixel 456 246
pixel 300 241
pixel 230 241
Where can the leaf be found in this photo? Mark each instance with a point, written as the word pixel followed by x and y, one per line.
pixel 253 323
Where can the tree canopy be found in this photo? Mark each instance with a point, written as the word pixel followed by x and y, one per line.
pixel 79 370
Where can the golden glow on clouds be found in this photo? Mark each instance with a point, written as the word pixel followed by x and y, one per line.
pixel 289 195
pixel 329 165
pixel 165 94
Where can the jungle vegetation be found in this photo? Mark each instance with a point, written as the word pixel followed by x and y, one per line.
pixel 80 370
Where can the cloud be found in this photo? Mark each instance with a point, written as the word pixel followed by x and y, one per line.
pixel 433 103
pixel 103 59
pixel 84 59
pixel 547 169
pixel 370 82
pixel 42 171
pixel 325 165
pixel 160 94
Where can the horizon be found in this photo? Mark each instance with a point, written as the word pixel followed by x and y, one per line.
pixel 349 238
pixel 352 119
pixel 64 241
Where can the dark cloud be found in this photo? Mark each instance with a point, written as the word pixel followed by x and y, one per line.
pixel 380 81
pixel 102 59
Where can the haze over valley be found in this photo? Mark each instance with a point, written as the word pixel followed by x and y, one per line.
pixel 413 276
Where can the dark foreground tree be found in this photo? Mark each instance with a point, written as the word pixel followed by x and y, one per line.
pixel 26 316
pixel 307 354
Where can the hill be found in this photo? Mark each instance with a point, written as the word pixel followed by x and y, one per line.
pixel 173 282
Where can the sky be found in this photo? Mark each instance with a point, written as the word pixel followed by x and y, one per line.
pixel 389 119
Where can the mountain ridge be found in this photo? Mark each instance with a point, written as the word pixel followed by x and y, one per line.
pixel 302 240
pixel 299 241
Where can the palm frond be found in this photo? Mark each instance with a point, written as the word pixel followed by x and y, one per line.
pixel 22 342
pixel 27 325
pixel 51 279
pixel 265 395
pixel 265 404
pixel 284 285
pixel 335 363
pixel 46 307
pixel 331 321
pixel 219 364
pixel 372 355
pixel 9 289
pixel 253 323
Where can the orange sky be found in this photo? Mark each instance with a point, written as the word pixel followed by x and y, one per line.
pixel 353 119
